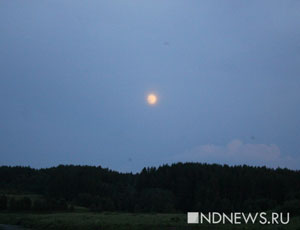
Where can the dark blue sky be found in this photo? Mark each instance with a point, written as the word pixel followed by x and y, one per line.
pixel 74 76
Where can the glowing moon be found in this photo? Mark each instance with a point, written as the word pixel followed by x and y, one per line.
pixel 152 99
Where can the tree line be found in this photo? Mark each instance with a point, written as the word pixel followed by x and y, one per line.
pixel 178 187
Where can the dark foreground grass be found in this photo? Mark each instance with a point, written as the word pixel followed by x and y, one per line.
pixel 122 221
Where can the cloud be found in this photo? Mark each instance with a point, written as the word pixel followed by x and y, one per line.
pixel 238 153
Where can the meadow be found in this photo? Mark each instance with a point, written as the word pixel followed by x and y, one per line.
pixel 122 221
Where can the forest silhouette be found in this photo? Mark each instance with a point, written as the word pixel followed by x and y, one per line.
pixel 178 187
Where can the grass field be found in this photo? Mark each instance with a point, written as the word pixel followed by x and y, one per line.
pixel 121 221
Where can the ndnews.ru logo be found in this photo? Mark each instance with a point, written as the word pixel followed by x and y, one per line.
pixel 237 218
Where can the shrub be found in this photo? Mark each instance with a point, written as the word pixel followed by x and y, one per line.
pixel 23 204
pixel 291 206
pixel 3 202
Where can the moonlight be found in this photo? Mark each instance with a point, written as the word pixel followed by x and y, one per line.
pixel 152 99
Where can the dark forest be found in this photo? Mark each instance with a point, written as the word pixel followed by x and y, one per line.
pixel 176 188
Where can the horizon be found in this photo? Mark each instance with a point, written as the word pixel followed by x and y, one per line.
pixel 153 167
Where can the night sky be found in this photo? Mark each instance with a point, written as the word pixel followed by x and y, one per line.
pixel 74 79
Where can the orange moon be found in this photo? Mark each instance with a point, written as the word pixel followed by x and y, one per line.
pixel 152 99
